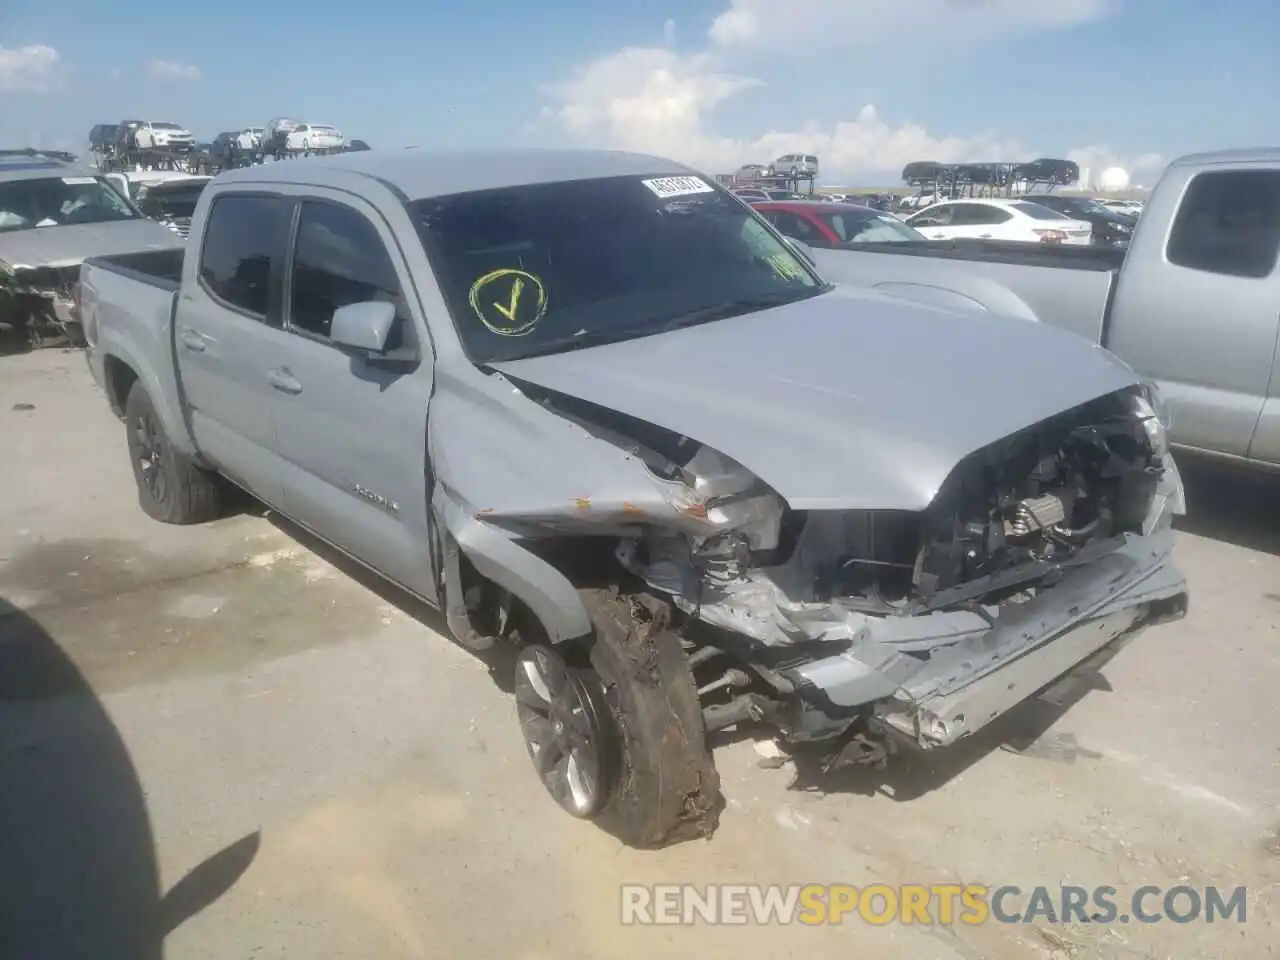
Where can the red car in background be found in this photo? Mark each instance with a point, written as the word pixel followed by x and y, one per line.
pixel 831 225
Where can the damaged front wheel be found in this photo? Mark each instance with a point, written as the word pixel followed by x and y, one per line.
pixel 565 729
pixel 621 741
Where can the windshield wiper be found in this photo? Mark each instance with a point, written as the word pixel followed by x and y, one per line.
pixel 735 308
pixel 717 311
pixel 581 339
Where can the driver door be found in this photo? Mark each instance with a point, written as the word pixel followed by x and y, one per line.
pixel 353 430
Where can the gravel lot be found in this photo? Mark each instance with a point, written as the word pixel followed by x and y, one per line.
pixel 219 742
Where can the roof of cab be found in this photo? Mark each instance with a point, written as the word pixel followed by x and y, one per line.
pixel 38 167
pixel 429 173
pixel 1242 155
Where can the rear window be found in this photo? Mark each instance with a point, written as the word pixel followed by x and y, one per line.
pixel 1229 223
pixel 172 201
pixel 242 242
pixel 1037 211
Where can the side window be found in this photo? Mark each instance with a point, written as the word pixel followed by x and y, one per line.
pixel 977 215
pixel 793 225
pixel 338 260
pixel 1229 223
pixel 937 217
pixel 241 244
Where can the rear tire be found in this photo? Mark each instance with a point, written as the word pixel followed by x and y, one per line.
pixel 171 488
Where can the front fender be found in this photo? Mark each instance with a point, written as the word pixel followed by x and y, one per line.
pixel 553 599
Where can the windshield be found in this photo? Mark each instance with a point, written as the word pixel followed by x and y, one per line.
pixel 556 266
pixel 1038 212
pixel 58 202
pixel 165 126
pixel 876 229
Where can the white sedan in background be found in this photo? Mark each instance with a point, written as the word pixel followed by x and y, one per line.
pixel 314 136
pixel 996 219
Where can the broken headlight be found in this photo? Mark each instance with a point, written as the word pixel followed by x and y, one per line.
pixel 1148 405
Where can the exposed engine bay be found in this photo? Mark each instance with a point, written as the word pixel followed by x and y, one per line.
pixel 37 306
pixel 1010 515
pixel 1037 556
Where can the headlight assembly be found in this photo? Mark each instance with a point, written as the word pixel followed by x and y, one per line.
pixel 1148 405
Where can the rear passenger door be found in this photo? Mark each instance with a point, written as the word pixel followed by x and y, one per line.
pixel 936 222
pixel 1198 308
pixel 980 221
pixel 228 337
pixel 353 430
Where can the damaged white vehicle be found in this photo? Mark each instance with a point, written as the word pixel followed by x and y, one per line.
pixel 602 415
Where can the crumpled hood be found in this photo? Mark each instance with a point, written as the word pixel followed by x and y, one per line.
pixel 851 399
pixel 67 246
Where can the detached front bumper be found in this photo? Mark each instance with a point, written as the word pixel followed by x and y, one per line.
pixel 941 677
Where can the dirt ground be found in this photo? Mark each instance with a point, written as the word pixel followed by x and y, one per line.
pixel 223 742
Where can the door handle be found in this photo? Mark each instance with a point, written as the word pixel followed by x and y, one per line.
pixel 193 341
pixel 284 381
pixel 984 236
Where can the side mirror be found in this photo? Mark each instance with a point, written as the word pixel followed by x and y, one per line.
pixel 803 249
pixel 364 326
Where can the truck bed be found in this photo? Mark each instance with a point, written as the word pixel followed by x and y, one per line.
pixel 1068 287
pixel 157 268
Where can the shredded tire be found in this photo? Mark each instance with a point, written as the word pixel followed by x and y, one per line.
pixel 192 494
pixel 667 788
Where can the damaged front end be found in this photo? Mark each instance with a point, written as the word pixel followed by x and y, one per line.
pixel 1039 553
pixel 38 305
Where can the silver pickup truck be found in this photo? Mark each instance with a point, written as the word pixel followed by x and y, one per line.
pixel 1193 305
pixel 597 411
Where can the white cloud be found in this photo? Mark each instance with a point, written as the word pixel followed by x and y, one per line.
pixel 757 25
pixel 1097 157
pixel 173 70
pixel 654 100
pixel 34 68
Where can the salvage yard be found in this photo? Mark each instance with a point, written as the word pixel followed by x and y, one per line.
pixel 228 733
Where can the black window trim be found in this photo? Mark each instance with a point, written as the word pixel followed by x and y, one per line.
pixel 274 317
pixel 291 252
pixel 1214 170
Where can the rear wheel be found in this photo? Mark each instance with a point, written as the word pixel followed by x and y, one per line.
pixel 616 732
pixel 171 488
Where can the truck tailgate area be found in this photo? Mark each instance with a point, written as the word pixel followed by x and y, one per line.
pixel 1067 288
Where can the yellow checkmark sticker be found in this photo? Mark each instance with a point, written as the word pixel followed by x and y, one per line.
pixel 511 309
pixel 501 302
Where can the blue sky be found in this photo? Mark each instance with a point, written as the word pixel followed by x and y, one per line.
pixel 865 84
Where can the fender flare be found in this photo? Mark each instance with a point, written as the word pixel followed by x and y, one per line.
pixel 546 591
pixel 115 347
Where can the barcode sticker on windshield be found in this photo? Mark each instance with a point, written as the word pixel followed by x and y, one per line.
pixel 666 187
pixel 78 181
